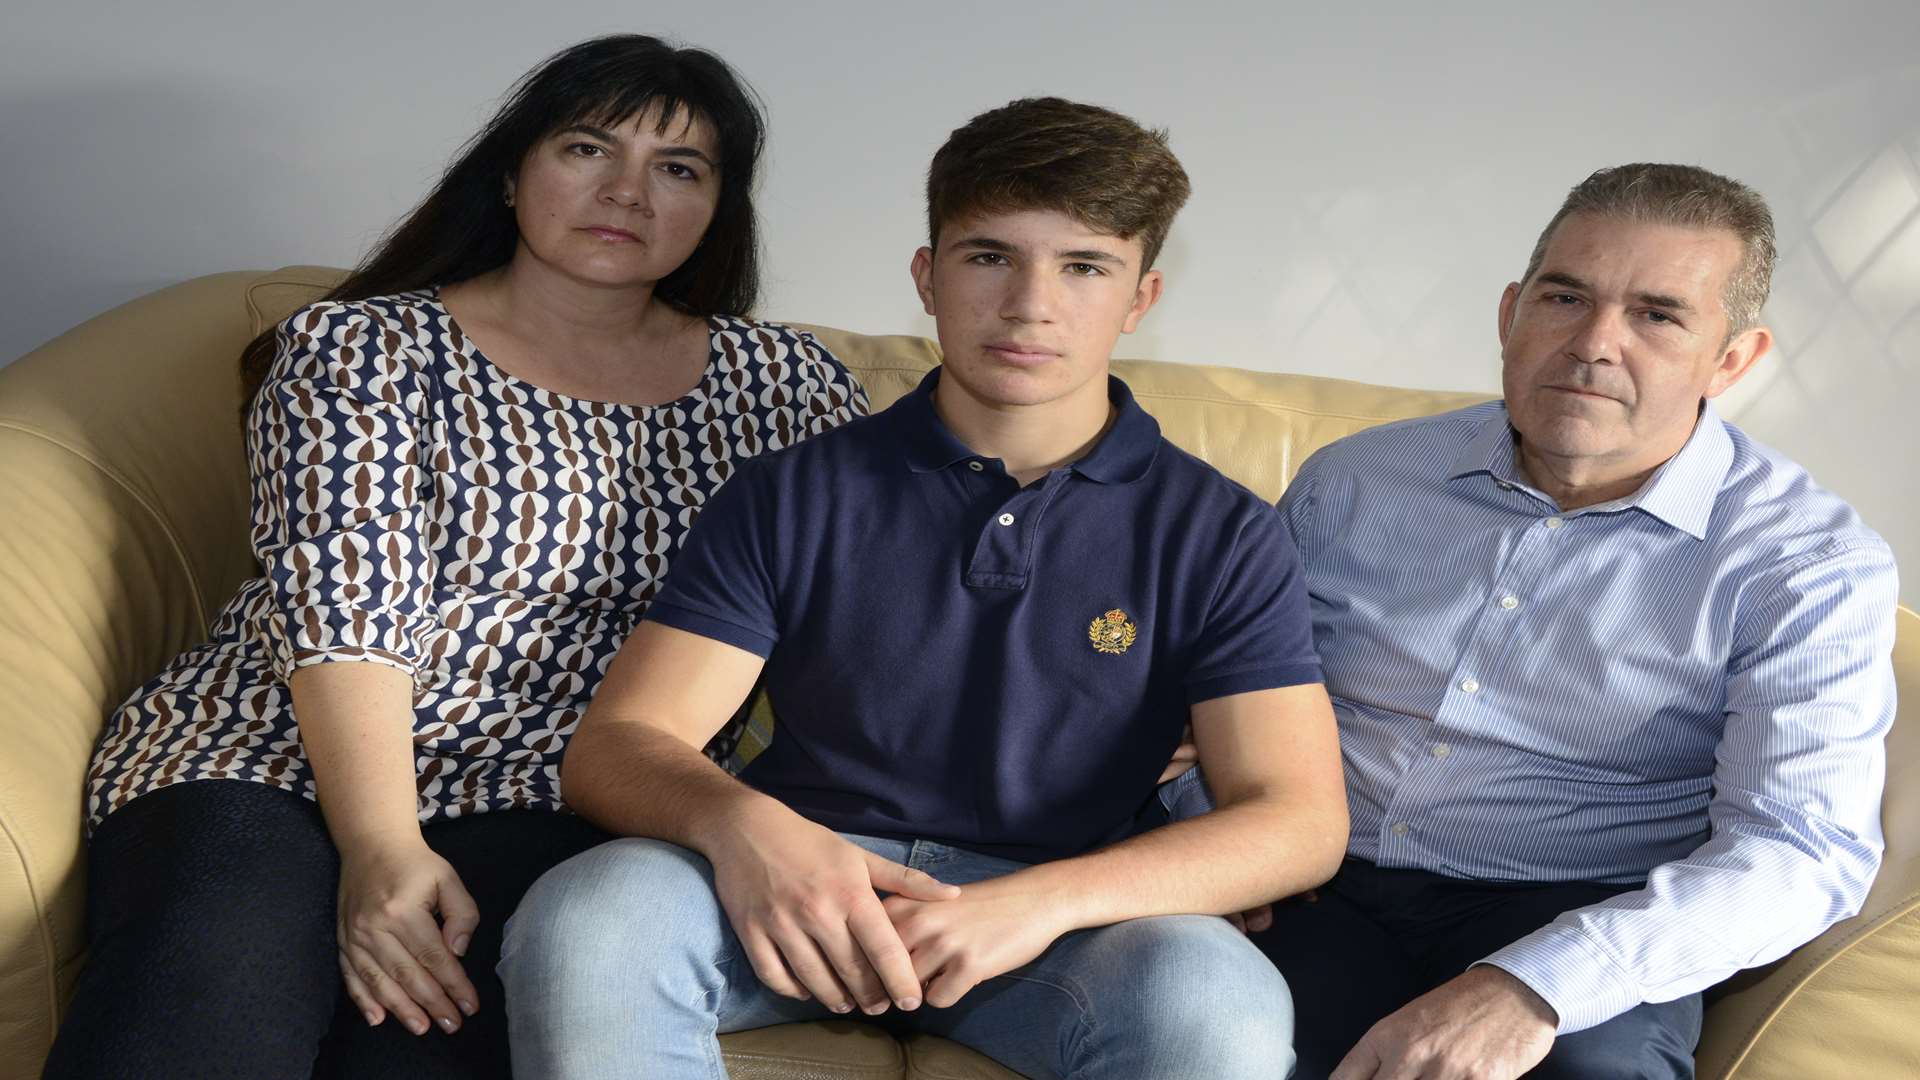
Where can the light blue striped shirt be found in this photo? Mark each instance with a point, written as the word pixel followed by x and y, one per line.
pixel 1687 687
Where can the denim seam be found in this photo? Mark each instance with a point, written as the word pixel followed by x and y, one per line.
pixel 1089 1027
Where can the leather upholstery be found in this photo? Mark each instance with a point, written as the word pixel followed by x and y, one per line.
pixel 122 529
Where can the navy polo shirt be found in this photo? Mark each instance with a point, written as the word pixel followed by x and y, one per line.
pixel 953 657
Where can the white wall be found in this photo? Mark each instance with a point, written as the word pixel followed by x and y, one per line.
pixel 1364 183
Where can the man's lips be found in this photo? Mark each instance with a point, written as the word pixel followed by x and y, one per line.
pixel 609 233
pixel 1581 392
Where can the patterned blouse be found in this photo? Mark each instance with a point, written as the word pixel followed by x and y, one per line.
pixel 418 507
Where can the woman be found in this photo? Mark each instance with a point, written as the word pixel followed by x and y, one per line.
pixel 471 463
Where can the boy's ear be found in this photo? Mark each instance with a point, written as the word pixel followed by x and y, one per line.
pixel 1145 295
pixel 922 270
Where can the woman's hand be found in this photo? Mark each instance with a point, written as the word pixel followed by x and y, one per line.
pixel 394 956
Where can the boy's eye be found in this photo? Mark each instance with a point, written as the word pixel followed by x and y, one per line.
pixel 1084 269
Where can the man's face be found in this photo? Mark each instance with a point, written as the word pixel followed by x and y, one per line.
pixel 1029 304
pixel 1608 350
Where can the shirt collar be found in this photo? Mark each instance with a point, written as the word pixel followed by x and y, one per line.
pixel 1680 492
pixel 1121 456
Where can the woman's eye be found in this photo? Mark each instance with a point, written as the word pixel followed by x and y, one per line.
pixel 586 149
pixel 681 170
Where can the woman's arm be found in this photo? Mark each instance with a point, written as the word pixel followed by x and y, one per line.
pixel 356 723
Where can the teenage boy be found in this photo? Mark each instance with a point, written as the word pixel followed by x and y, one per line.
pixel 984 616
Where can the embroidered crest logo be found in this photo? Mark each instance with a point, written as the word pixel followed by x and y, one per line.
pixel 1112 633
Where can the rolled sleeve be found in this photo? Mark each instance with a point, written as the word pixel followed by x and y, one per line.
pixel 340 525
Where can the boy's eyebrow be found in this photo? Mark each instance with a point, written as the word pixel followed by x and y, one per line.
pixel 988 243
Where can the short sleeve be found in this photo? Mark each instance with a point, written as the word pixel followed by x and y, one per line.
pixel 334 448
pixel 1258 633
pixel 722 584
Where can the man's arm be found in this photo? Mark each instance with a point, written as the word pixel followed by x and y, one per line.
pixel 1272 760
pixel 801 899
pixel 1795 842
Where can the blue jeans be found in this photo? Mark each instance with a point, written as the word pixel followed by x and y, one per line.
pixel 620 962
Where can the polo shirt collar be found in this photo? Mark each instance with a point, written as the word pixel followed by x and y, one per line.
pixel 1680 492
pixel 1123 454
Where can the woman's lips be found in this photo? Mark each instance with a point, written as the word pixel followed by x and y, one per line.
pixel 612 235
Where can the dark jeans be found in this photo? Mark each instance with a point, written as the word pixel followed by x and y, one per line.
pixel 1375 939
pixel 210 910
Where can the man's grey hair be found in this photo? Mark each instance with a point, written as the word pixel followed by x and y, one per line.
pixel 1688 196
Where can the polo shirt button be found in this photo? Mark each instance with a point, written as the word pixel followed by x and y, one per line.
pixel 1401 828
pixel 976 466
pixel 1006 519
pixel 1441 750
pixel 1469 686
pixel 1509 602
pixel 1554 522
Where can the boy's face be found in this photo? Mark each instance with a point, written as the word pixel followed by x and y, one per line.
pixel 1029 304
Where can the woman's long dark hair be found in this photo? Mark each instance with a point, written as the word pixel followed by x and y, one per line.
pixel 463 228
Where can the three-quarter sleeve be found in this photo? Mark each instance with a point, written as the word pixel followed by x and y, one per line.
pixel 340 486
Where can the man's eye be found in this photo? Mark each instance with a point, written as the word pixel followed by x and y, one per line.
pixel 987 258
pixel 1660 317
pixel 1081 269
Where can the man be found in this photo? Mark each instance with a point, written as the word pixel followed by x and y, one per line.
pixel 1611 678
pixel 984 617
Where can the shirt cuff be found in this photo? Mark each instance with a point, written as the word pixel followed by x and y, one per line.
pixel 1577 978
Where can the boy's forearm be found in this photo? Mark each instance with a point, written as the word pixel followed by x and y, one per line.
pixel 1238 857
pixel 634 780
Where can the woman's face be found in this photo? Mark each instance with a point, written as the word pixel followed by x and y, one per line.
pixel 621 206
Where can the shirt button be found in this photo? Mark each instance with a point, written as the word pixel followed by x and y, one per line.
pixel 1504 486
pixel 1509 602
pixel 1469 686
pixel 1441 749
pixel 976 466
pixel 1006 519
pixel 1554 522
pixel 1401 828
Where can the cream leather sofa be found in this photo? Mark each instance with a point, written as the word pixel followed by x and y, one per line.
pixel 122 528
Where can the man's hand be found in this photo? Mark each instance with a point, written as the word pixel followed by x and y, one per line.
pixel 994 927
pixel 803 903
pixel 1483 1025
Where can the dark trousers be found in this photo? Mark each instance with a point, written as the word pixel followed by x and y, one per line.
pixel 210 910
pixel 1374 939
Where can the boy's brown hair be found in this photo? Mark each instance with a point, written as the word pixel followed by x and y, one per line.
pixel 1089 163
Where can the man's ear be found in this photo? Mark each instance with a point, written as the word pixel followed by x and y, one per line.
pixel 1743 350
pixel 1509 302
pixel 1145 295
pixel 922 270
